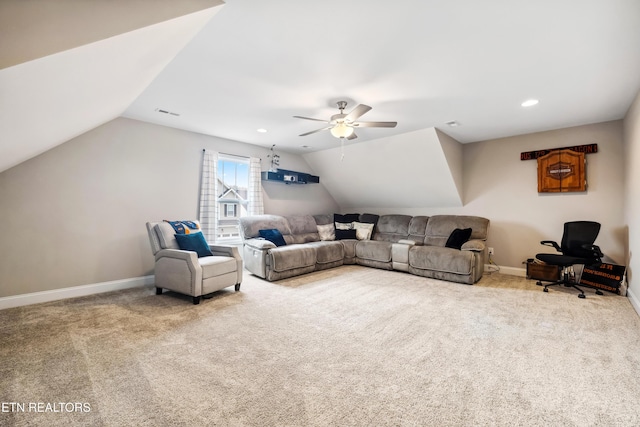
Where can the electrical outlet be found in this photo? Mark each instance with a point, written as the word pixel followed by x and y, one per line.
pixel 490 251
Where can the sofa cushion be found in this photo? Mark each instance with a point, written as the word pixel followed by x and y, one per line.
pixel 274 236
pixel 343 225
pixel 392 228
pixel 185 227
pixel 363 230
pixel 285 258
pixel 327 252
pixel 302 224
pixel 213 266
pixel 349 247
pixel 418 228
pixel 370 219
pixel 327 232
pixel 458 237
pixel 374 250
pixel 323 219
pixel 250 226
pixel 345 234
pixel 346 218
pixel 194 242
pixel 166 236
pixel 440 258
pixel 439 228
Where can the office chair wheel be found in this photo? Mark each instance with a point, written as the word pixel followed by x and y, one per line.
pixel 599 293
pixel 581 296
pixel 545 290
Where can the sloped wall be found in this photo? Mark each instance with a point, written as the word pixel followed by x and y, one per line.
pixel 48 101
pixel 407 170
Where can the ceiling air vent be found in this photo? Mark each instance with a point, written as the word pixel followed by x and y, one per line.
pixel 171 113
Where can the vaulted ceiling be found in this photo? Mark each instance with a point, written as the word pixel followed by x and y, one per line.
pixel 229 70
pixel 70 69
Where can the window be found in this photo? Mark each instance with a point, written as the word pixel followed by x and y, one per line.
pixel 233 185
pixel 230 210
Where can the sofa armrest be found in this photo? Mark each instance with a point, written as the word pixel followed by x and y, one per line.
pixel 179 271
pixel 475 245
pixel 260 244
pixel 230 251
pixel 225 250
pixel 189 257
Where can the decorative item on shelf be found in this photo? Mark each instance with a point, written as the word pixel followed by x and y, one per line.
pixel 275 159
pixel 290 177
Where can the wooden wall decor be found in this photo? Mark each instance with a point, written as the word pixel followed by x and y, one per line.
pixel 533 155
pixel 562 171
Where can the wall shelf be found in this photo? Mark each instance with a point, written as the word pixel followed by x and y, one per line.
pixel 290 177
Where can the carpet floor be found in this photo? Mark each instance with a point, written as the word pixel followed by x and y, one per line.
pixel 351 346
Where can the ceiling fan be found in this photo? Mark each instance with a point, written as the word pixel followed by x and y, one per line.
pixel 343 125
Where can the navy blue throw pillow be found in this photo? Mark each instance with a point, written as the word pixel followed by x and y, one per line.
pixel 194 242
pixel 346 218
pixel 345 234
pixel 274 236
pixel 458 237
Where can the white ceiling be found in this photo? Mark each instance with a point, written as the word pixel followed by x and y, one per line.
pixel 256 64
pixel 420 63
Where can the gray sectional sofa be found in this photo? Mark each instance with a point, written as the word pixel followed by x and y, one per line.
pixel 414 244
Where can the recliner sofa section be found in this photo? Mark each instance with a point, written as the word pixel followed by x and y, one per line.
pixel 413 244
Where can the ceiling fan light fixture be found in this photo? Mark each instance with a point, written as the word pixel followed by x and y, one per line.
pixel 341 130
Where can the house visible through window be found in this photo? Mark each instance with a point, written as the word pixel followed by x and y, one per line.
pixel 233 184
pixel 230 210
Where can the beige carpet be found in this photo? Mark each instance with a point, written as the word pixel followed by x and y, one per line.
pixel 351 346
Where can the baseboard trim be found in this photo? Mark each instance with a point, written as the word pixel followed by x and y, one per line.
pixel 511 271
pixel 75 291
pixel 634 301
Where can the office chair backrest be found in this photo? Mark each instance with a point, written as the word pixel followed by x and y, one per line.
pixel 579 233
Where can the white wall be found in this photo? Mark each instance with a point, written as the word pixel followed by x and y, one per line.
pixel 409 169
pixel 632 199
pixel 501 187
pixel 75 215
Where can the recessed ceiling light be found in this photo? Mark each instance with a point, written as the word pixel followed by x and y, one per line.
pixel 452 123
pixel 305 146
pixel 262 130
pixel 529 103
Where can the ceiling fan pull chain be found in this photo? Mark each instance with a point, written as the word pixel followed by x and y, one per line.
pixel 342 149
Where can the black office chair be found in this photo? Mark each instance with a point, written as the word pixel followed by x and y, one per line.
pixel 577 248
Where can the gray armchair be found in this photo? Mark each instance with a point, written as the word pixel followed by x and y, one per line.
pixel 183 272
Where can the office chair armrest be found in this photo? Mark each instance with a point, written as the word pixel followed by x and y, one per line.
pixel 597 253
pixel 552 244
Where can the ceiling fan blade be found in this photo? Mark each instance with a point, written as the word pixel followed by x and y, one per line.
pixel 375 124
pixel 310 118
pixel 314 131
pixel 352 136
pixel 357 112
